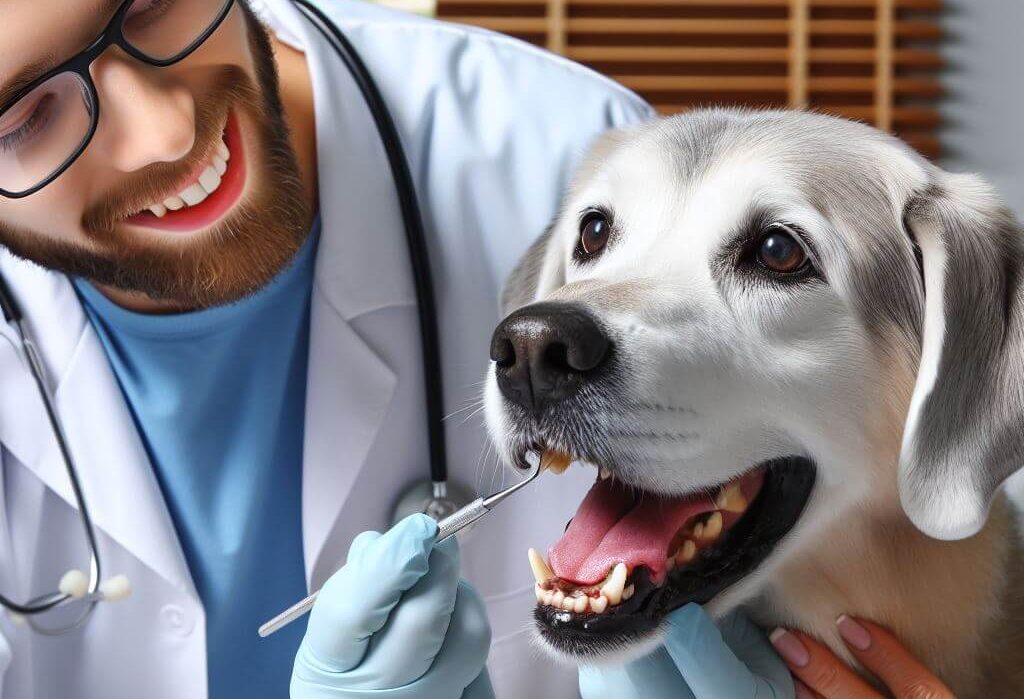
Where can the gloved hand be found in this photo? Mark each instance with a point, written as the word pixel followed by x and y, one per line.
pixel 396 622
pixel 700 660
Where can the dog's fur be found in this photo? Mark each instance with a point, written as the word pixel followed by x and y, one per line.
pixel 899 371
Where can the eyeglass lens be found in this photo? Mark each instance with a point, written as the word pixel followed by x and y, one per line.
pixel 46 127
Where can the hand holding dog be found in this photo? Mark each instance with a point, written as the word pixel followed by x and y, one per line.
pixel 698 659
pixel 821 674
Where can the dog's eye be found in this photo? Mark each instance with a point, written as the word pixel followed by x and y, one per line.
pixel 594 231
pixel 779 250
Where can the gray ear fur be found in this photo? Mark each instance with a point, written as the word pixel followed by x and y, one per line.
pixel 965 429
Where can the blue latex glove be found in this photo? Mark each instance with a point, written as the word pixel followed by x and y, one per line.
pixel 396 622
pixel 733 660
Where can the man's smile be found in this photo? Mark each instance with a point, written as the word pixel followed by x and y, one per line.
pixel 207 195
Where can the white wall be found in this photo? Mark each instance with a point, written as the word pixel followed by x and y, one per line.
pixel 984 108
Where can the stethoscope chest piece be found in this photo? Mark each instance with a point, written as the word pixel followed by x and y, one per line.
pixel 437 499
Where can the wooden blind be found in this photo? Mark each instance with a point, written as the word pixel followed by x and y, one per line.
pixel 872 60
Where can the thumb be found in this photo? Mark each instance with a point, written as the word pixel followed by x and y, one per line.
pixel 712 669
pixel 356 601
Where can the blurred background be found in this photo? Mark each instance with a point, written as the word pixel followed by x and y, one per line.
pixel 944 75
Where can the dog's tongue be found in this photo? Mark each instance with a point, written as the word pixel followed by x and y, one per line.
pixel 615 525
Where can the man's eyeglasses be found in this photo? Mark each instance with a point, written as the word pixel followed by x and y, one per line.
pixel 45 126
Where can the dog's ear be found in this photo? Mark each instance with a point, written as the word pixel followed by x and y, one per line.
pixel 965 428
pixel 539 272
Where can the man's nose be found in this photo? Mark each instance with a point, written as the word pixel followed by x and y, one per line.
pixel 143 121
pixel 545 352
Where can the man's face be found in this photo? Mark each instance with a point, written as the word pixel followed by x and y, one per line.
pixel 158 130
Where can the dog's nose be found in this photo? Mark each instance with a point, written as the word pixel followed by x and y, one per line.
pixel 543 353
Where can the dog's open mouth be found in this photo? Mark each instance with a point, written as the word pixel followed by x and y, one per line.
pixel 630 556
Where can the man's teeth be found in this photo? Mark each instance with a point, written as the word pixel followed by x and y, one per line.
pixel 613 590
pixel 197 192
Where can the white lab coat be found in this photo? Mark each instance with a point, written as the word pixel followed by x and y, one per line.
pixel 492 129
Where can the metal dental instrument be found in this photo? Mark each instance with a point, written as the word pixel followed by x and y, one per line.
pixel 445 528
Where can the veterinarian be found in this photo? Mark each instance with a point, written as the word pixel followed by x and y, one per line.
pixel 211 371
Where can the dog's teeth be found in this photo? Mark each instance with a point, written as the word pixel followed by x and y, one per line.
pixel 537 590
pixel 731 499
pixel 698 530
pixel 554 461
pixel 612 589
pixel 599 604
pixel 541 571
pixel 686 552
pixel 557 598
pixel 581 604
pixel 549 597
pixel 605 473
pixel 713 527
pixel 568 604
pixel 627 593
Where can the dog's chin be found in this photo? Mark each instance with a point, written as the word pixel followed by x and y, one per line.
pixel 631 625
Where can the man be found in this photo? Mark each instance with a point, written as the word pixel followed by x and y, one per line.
pixel 218 283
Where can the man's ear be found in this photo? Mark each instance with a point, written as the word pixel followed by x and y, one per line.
pixel 965 428
pixel 539 272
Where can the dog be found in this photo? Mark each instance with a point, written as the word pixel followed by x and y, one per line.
pixel 794 350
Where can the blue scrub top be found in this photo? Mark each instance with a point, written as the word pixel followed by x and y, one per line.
pixel 219 398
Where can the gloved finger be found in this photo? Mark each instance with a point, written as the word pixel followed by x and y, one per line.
pixel 751 645
pixel 463 654
pixel 356 601
pixel 480 688
pixel 406 646
pixel 711 668
pixel 654 675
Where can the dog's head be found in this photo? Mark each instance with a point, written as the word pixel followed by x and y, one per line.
pixel 752 322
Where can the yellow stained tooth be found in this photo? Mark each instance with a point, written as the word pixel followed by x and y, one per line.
pixel 539 592
pixel 731 499
pixel 581 604
pixel 541 571
pixel 557 598
pixel 612 589
pixel 714 526
pixel 599 604
pixel 686 552
pixel 698 531
pixel 568 604
pixel 554 461
pixel 627 593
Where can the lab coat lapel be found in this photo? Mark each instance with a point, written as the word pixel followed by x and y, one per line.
pixel 361 268
pixel 120 488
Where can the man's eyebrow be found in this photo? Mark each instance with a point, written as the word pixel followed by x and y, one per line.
pixel 31 72
pixel 25 76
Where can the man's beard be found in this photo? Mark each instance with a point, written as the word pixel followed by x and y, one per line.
pixel 236 257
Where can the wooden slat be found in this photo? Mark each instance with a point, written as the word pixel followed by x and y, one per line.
pixel 556 25
pixel 904 29
pixel 920 5
pixel 922 86
pixel 799 16
pixel 884 33
pixel 727 54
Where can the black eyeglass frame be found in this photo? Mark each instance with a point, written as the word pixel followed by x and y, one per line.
pixel 79 64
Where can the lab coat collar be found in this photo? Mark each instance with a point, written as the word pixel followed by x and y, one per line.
pixel 120 487
pixel 360 268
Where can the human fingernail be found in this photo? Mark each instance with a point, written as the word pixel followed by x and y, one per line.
pixel 853 633
pixel 802 692
pixel 789 647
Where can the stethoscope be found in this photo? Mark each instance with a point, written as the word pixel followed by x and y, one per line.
pixel 435 497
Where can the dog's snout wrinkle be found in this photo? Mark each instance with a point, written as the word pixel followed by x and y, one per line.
pixel 545 352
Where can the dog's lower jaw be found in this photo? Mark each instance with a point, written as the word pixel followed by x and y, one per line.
pixel 948 602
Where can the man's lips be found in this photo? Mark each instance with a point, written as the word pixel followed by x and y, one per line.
pixel 217 204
